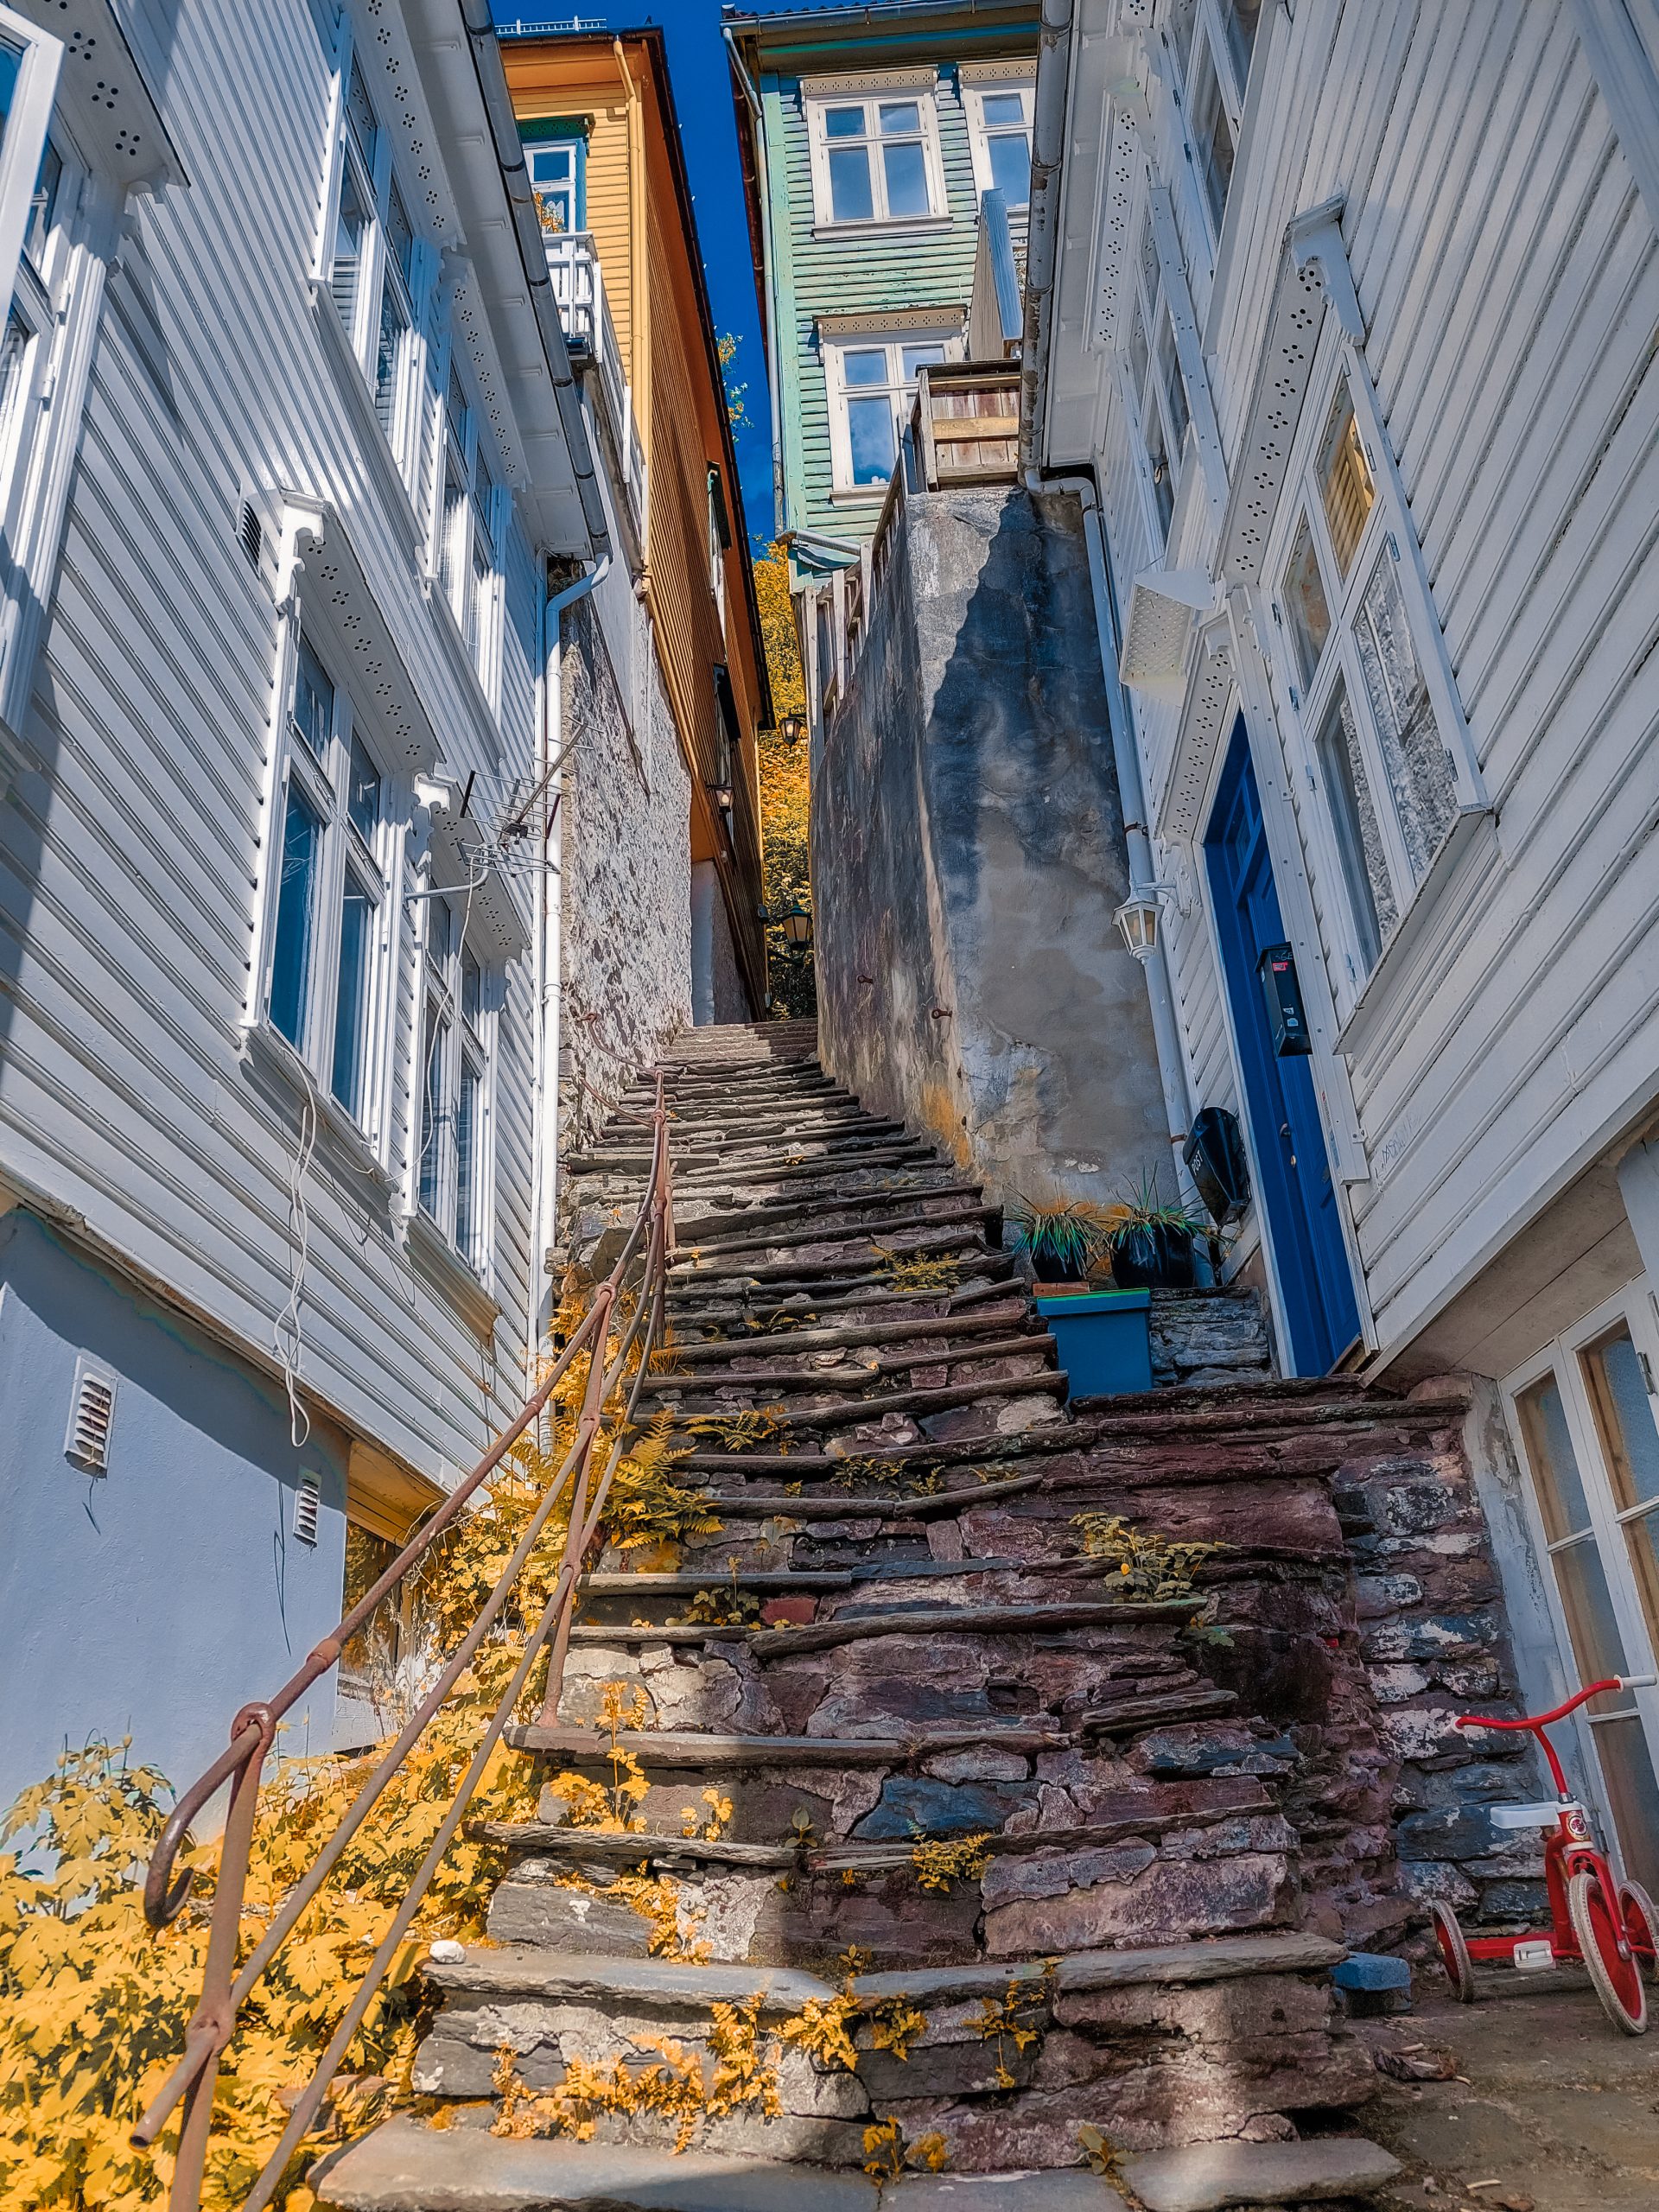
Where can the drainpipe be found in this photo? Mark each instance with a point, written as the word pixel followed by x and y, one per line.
pixel 769 336
pixel 1172 1061
pixel 550 756
pixel 1048 137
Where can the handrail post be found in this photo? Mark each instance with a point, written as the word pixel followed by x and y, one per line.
pixel 213 2021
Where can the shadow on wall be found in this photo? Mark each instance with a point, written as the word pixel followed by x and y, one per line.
pixel 968 854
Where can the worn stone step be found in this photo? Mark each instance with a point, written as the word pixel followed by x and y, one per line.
pixel 865 1505
pixel 942 1241
pixel 984 1279
pixel 763 1585
pixel 727 1248
pixel 807 1220
pixel 408 2166
pixel 966 1620
pixel 685 1750
pixel 1209 2176
pixel 919 1404
pixel 693 1389
pixel 952 1328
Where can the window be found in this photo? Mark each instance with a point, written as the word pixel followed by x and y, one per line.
pixel 872 384
pixel 326 988
pixel 998 118
pixel 374 272
pixel 1211 135
pixel 452 1180
pixel 876 161
pixel 1584 1413
pixel 467 556
pixel 720 539
pixel 1240 20
pixel 1375 745
pixel 558 179
pixel 1161 409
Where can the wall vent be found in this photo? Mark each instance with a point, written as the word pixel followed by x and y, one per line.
pixel 91 1415
pixel 307 1500
pixel 249 532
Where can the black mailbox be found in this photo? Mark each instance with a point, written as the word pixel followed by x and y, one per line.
pixel 1215 1157
pixel 1283 994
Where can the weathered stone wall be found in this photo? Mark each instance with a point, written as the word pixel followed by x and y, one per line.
pixel 1209 1335
pixel 625 884
pixel 968 853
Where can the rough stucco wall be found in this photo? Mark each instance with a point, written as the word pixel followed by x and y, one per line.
pixel 968 853
pixel 717 992
pixel 155 1598
pixel 625 881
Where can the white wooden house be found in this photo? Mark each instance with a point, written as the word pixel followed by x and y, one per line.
pixel 1347 313
pixel 288 438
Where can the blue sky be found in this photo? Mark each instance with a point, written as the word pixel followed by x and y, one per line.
pixel 697 56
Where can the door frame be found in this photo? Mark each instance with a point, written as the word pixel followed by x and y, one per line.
pixel 1315 995
pixel 1634 1306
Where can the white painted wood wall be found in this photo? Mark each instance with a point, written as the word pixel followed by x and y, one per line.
pixel 1506 267
pixel 130 860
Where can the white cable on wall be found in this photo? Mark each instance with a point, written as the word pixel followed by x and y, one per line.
pixel 286 1333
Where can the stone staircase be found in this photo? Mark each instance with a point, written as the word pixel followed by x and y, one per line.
pixel 911 1765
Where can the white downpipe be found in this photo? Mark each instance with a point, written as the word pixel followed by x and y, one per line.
pixel 1172 1060
pixel 550 755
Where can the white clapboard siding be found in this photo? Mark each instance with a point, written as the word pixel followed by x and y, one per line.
pixel 129 869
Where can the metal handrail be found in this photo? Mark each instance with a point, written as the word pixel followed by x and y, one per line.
pixel 224 1990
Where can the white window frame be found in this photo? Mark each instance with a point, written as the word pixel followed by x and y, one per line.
pixel 324 785
pixel 819 95
pixel 1147 307
pixel 945 331
pixel 466 558
pixel 1634 1307
pixel 977 86
pixel 468 1034
pixel 370 171
pixel 23 139
pixel 1207 45
pixel 1303 705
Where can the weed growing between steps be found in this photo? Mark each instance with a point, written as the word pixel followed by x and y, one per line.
pixel 939 1865
pixel 1149 1566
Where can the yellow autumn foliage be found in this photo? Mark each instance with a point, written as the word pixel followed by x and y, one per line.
pixel 93 2005
pixel 785 790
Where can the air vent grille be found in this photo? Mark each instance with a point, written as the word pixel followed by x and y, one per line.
pixel 307 1500
pixel 249 532
pixel 91 1416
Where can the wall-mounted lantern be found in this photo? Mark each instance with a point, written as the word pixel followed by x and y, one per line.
pixel 791 728
pixel 797 928
pixel 1137 920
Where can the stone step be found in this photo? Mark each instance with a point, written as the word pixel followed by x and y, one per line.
pixel 688 1752
pixel 952 1328
pixel 722 1251
pixel 918 1405
pixel 1209 2176
pixel 943 1240
pixel 754 1228
pixel 407 2166
pixel 981 1277
pixel 706 1392
pixel 865 1505
pixel 971 1620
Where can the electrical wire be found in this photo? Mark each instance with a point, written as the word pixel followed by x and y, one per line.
pixel 287 1334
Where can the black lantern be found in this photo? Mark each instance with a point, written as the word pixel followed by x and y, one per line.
pixel 797 927
pixel 791 728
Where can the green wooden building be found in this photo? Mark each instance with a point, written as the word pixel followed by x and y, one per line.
pixel 869 136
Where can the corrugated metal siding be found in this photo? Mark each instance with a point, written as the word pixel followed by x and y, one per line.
pixel 129 869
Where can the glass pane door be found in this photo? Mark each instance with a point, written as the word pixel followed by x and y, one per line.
pixel 1589 1437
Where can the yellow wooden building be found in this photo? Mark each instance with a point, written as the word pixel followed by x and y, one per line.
pixel 602 143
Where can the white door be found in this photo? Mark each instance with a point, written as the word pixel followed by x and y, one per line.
pixel 1586 1417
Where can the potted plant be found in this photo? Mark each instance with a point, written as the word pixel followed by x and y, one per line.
pixel 1101 1334
pixel 1066 1239
pixel 1150 1243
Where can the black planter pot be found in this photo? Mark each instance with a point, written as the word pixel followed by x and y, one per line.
pixel 1153 1259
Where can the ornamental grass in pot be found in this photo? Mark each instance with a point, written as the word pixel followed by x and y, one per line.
pixel 1066 1239
pixel 1150 1243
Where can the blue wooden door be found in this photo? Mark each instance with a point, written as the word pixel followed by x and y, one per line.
pixel 1292 1161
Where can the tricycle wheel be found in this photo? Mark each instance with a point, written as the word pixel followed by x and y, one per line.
pixel 1454 1953
pixel 1641 1921
pixel 1598 1922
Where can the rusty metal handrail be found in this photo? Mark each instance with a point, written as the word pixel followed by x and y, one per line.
pixel 224 1990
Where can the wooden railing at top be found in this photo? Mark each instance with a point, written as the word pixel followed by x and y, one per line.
pixel 226 1988
pixel 964 430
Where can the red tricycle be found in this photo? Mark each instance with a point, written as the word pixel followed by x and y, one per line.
pixel 1608 1927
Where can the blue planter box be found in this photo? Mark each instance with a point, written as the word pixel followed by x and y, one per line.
pixel 1103 1342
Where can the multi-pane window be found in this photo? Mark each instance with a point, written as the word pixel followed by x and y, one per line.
pixel 876 161
pixel 452 1174
pixel 1161 407
pixel 872 385
pixel 1000 120
pixel 1586 1413
pixel 555 178
pixel 1214 42
pixel 374 264
pixel 1374 744
pixel 331 922
pixel 720 538
pixel 467 560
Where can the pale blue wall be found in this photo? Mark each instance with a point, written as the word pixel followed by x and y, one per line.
pixel 156 1599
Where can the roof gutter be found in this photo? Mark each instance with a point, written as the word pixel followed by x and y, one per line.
pixel 1042 235
pixel 515 176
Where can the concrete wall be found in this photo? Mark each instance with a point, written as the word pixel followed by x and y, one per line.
pixel 625 860
pixel 968 854
pixel 156 1599
pixel 717 992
